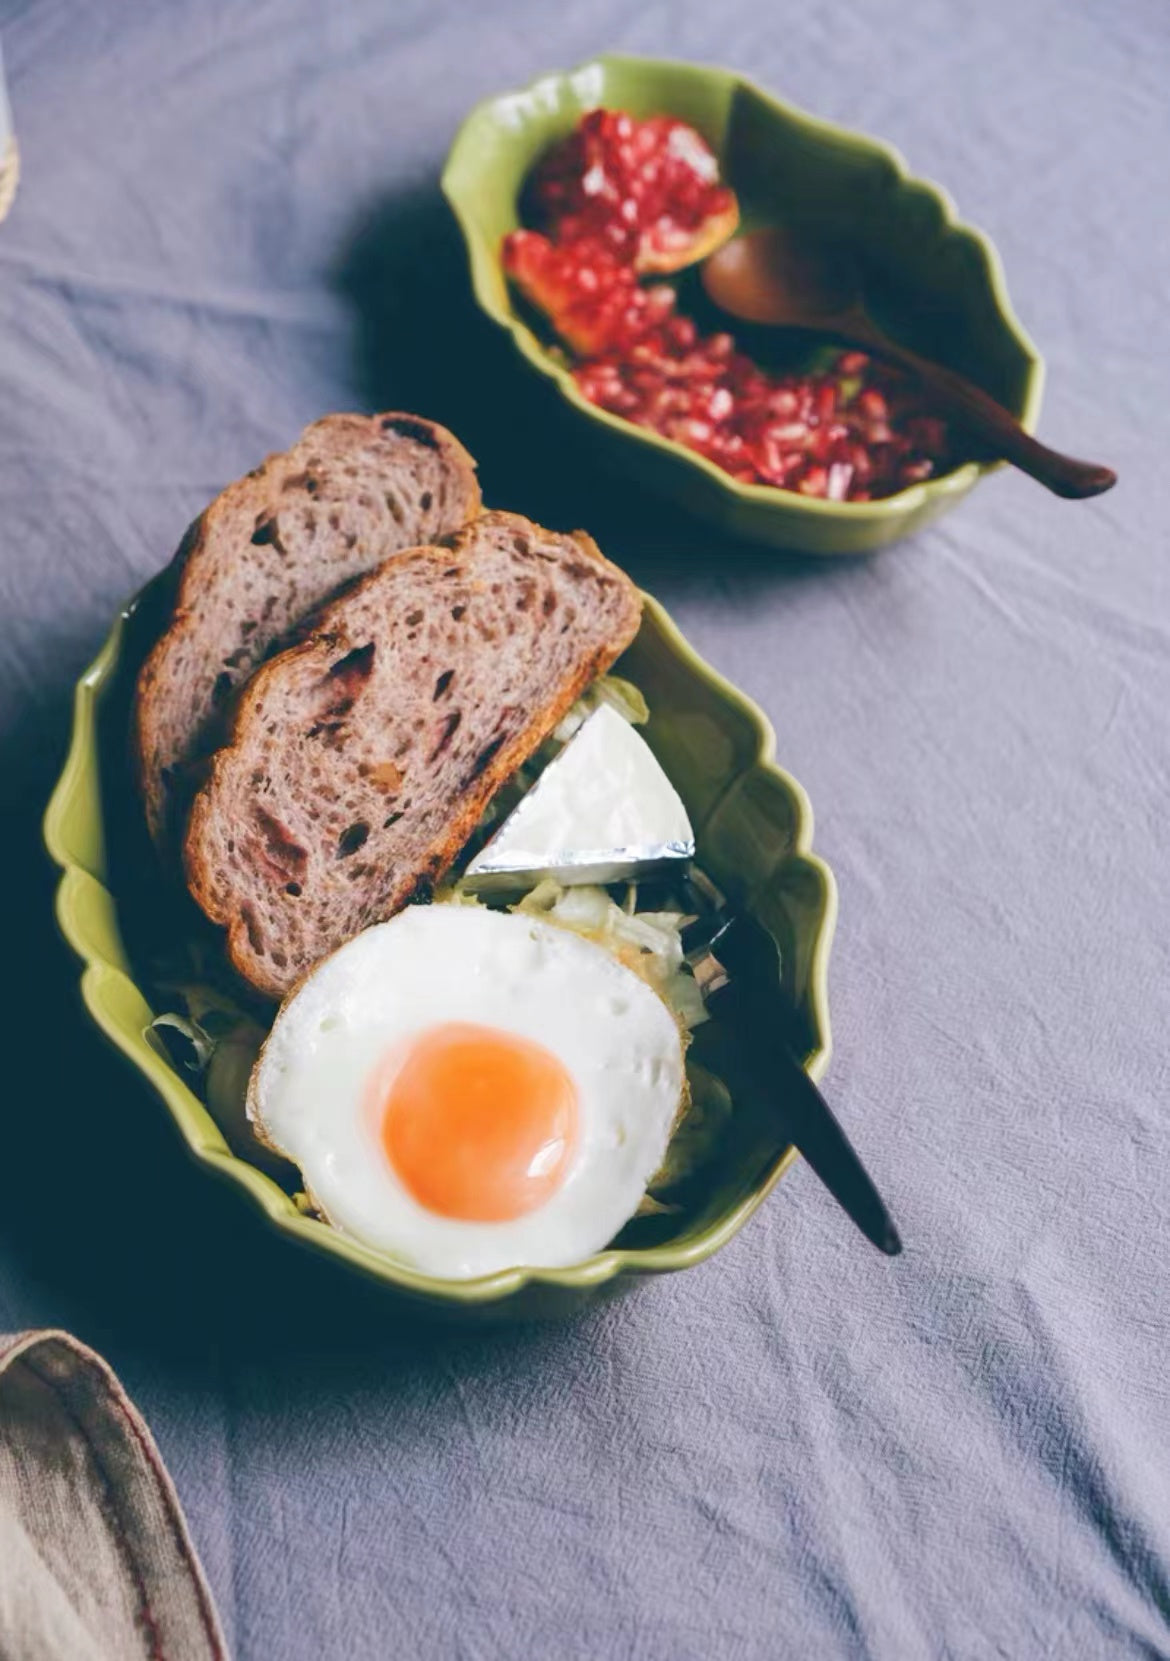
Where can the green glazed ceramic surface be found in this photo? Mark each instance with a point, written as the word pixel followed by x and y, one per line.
pixel 754 833
pixel 933 282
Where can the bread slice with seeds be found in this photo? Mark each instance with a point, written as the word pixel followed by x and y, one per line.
pixel 362 758
pixel 352 490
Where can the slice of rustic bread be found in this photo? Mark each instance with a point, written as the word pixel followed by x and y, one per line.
pixel 352 490
pixel 362 757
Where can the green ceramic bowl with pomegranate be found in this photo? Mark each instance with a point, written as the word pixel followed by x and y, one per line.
pixel 753 827
pixel 931 281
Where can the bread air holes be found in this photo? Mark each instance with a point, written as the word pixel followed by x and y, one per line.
pixel 345 679
pixel 425 501
pixel 407 427
pixel 267 534
pixel 414 618
pixel 483 759
pixel 442 684
pixel 279 850
pixel 352 838
pixel 356 665
pixel 449 729
pixel 252 929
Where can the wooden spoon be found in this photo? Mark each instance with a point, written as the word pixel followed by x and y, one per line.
pixel 771 277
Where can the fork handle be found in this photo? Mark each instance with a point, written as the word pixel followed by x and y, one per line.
pixel 810 1122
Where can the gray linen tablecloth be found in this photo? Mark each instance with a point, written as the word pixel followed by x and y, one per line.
pixel 227 224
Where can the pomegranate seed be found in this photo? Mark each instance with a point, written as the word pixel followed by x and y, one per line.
pixel 613 198
pixel 825 401
pixel 650 187
pixel 693 432
pixel 913 471
pixel 859 460
pixel 783 401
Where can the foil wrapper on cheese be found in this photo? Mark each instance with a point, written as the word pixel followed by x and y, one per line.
pixel 602 811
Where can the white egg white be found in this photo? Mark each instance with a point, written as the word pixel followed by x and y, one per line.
pixel 433 964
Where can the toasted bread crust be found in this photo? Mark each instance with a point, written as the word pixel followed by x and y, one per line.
pixel 231 889
pixel 172 732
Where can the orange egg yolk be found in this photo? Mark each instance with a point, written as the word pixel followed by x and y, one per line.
pixel 478 1123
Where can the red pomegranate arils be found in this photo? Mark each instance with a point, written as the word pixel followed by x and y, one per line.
pixel 619 195
pixel 650 188
pixel 814 482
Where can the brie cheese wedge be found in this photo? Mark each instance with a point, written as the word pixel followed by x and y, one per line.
pixel 602 811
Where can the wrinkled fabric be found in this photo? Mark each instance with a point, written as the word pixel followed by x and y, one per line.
pixel 228 222
pixel 95 1560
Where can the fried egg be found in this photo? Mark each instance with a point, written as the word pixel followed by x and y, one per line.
pixel 469 1090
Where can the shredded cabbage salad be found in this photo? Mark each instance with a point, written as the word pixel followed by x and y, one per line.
pixel 215 1044
pixel 648 942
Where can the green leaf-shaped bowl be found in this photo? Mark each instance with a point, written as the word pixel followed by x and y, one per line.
pixel 934 283
pixel 754 831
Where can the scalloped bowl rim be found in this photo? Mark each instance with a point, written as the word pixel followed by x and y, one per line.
pixel 902 502
pixel 79 886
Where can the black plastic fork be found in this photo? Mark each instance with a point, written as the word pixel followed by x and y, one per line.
pixel 737 965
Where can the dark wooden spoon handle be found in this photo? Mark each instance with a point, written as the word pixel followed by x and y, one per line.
pixel 988 421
